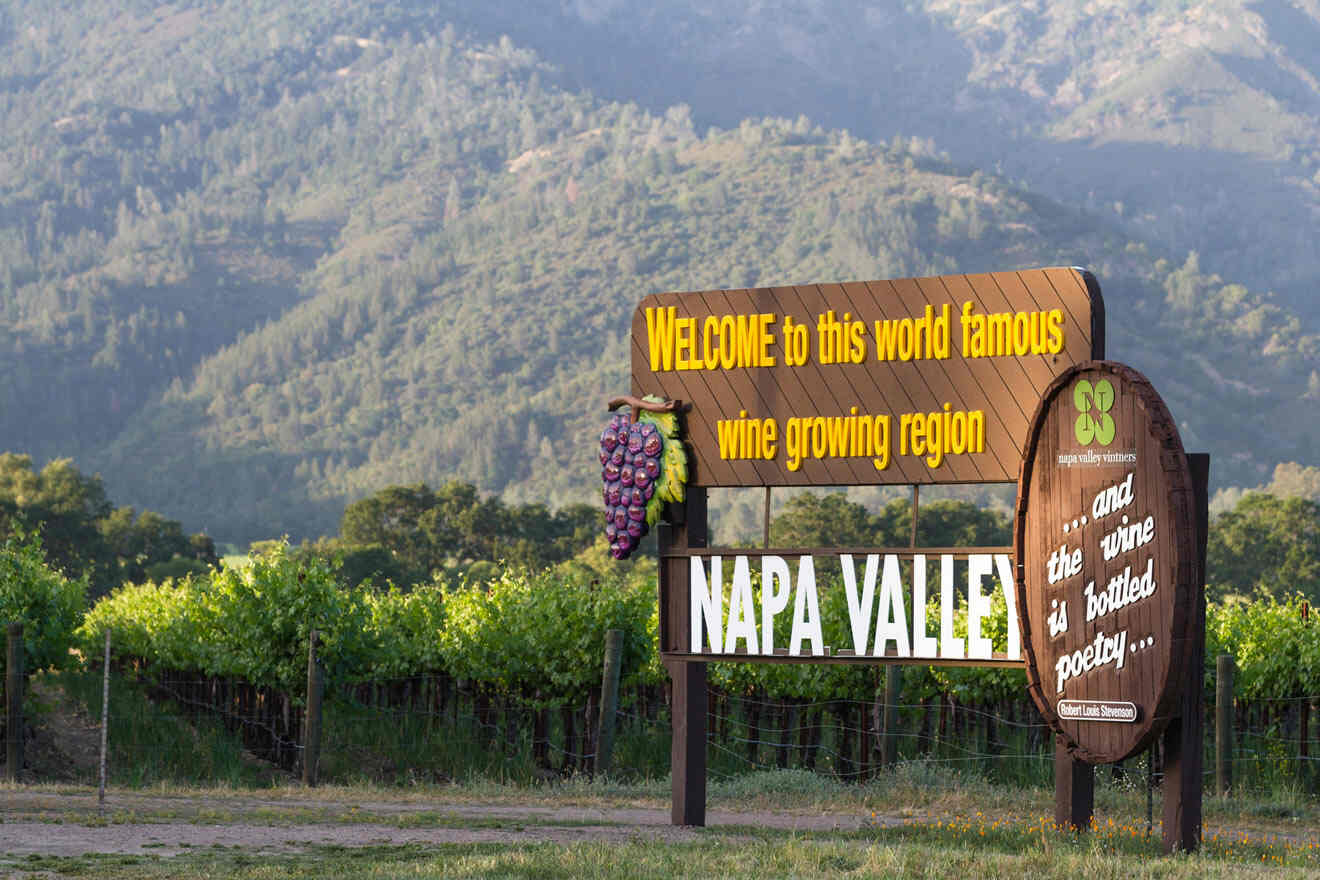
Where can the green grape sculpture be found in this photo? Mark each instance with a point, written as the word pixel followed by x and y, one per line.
pixel 643 466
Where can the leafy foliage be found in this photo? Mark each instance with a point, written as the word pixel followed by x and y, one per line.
pixel 43 600
pixel 1265 544
pixel 82 533
pixel 406 628
pixel 541 635
pixel 1274 645
pixel 831 520
pixel 537 636
pixel 251 622
pixel 411 532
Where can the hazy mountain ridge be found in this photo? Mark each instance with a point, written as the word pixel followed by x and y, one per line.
pixel 336 247
pixel 1193 124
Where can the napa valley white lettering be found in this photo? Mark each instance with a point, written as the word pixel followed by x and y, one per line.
pixel 1101 652
pixel 706 599
pixel 878 620
pixel 1122 590
pixel 891 622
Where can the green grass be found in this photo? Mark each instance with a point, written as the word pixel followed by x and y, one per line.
pixel 985 832
pixel 933 818
pixel 910 855
pixel 911 822
pixel 150 742
pixel 913 792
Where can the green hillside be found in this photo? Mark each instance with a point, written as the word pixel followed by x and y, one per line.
pixel 1195 125
pixel 254 264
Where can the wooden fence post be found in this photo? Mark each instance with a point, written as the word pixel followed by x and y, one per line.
pixel 312 727
pixel 14 702
pixel 1223 724
pixel 893 687
pixel 105 723
pixel 609 699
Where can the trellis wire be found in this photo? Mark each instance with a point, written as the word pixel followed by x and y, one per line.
pixel 824 735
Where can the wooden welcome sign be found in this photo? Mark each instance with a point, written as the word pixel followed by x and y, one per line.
pixel 913 381
pixel 934 381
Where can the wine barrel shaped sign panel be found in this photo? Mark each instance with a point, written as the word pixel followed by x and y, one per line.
pixel 1107 563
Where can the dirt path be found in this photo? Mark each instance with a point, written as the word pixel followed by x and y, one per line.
pixel 67 824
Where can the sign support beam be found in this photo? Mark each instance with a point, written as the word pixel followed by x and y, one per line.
pixel 688 751
pixel 1074 789
pixel 688 703
pixel 1183 784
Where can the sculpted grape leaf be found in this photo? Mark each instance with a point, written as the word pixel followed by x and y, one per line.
pixel 667 422
pixel 674 461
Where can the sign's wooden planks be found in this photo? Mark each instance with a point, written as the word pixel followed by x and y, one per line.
pixel 919 380
pixel 1107 561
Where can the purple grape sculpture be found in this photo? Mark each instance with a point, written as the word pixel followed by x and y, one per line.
pixel 642 466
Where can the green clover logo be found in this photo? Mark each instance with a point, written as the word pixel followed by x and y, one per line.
pixel 1093 403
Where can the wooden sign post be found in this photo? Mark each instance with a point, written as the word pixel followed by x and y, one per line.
pixel 1110 544
pixel 932 381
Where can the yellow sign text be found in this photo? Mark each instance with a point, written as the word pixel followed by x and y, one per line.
pixel 723 342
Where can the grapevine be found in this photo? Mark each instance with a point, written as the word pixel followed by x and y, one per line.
pixel 39 597
pixel 540 632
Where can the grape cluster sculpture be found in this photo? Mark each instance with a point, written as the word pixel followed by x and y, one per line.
pixel 643 466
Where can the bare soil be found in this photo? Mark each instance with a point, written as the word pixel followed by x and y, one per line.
pixel 55 812
pixel 62 743
pixel 68 823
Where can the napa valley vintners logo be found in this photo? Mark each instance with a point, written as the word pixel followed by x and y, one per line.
pixel 1094 423
pixel 1095 429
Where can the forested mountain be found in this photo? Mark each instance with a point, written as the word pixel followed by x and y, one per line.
pixel 1192 123
pixel 256 262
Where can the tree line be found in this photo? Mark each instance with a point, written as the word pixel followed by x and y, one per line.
pixel 84 536
pixel 401 535
pixel 404 535
pixel 1263 545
